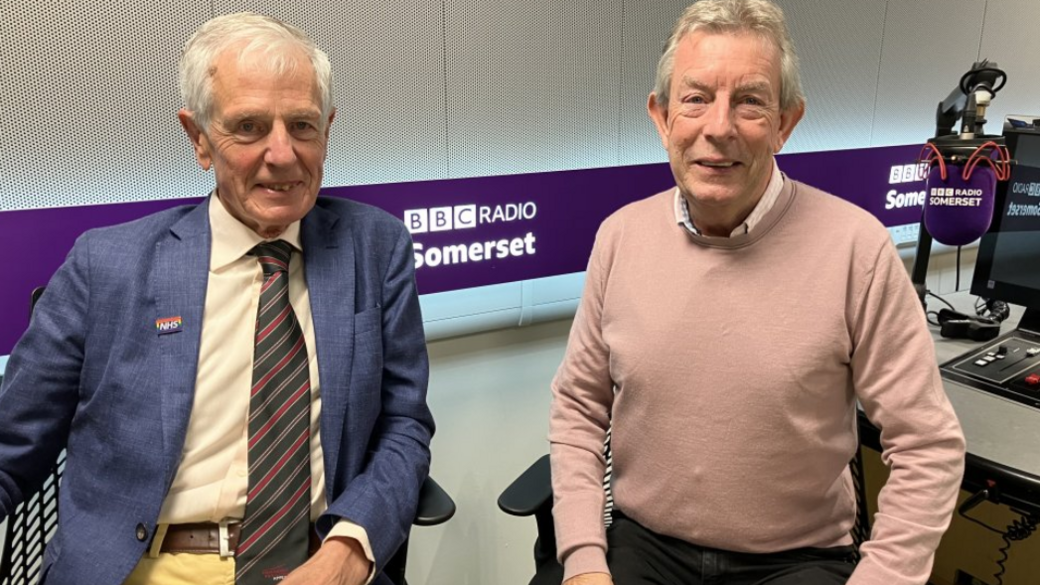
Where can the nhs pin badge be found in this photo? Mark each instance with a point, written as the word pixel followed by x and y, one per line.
pixel 168 325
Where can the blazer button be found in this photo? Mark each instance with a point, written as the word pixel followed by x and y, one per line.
pixel 142 532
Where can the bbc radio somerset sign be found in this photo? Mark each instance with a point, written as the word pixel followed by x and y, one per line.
pixel 479 231
pixel 488 230
pixel 463 221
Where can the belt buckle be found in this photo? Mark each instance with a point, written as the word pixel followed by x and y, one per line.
pixel 223 540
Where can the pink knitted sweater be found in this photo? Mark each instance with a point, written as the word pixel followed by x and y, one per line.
pixel 731 368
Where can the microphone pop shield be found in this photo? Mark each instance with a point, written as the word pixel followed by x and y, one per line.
pixel 959 211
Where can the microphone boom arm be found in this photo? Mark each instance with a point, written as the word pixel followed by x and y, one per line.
pixel 968 101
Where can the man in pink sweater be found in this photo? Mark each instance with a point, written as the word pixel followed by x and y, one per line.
pixel 727 330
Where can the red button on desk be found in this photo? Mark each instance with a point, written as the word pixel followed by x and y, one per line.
pixel 1033 379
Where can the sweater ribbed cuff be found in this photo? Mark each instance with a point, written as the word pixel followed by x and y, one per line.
pixel 869 572
pixel 585 559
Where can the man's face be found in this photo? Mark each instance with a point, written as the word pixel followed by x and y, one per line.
pixel 723 123
pixel 266 142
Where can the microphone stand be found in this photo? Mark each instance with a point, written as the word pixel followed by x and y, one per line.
pixel 968 101
pixel 920 270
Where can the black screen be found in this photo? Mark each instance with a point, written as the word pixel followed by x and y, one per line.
pixel 1008 265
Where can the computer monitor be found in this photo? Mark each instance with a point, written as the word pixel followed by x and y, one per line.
pixel 1008 264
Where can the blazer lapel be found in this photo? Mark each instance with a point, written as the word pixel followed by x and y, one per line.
pixel 179 279
pixel 329 258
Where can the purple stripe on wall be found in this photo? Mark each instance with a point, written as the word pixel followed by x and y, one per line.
pixel 503 228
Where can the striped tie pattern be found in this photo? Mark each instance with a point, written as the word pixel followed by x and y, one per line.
pixel 274 535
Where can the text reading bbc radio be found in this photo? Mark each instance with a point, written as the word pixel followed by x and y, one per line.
pixel 462 217
pixel 911 173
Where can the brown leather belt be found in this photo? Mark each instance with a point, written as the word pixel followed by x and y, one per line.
pixel 204 538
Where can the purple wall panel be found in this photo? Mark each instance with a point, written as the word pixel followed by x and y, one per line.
pixel 478 231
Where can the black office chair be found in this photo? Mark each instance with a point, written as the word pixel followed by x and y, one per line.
pixel 34 521
pixel 435 507
pixel 531 494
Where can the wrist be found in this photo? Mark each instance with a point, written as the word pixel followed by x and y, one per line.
pixel 348 551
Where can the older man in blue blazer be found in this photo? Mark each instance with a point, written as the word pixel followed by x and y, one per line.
pixel 240 385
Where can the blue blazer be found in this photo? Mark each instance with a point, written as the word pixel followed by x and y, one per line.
pixel 92 375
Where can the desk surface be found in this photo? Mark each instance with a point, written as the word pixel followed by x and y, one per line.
pixel 996 428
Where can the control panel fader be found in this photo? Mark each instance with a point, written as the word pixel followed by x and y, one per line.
pixel 1009 366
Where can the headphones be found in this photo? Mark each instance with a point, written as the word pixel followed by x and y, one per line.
pixel 960 326
pixel 993 309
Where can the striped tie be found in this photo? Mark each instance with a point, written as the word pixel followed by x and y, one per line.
pixel 274 535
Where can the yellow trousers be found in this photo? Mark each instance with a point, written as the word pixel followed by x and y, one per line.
pixel 183 569
pixel 157 568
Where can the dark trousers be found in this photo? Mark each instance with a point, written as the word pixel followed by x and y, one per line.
pixel 637 556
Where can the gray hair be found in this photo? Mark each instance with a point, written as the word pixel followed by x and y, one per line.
pixel 249 34
pixel 761 17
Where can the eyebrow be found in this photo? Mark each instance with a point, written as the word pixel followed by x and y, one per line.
pixel 752 87
pixel 307 113
pixel 693 84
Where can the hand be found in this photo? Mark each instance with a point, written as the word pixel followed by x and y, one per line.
pixel 590 579
pixel 339 561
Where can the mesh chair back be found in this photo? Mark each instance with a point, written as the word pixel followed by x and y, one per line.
pixel 29 528
pixel 32 525
pixel 861 529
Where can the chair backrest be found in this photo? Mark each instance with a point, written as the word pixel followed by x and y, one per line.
pixel 861 529
pixel 32 524
pixel 29 528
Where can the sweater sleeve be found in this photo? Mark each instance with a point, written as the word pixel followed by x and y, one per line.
pixel 899 387
pixel 580 415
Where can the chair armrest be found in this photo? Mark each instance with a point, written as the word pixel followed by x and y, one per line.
pixel 530 492
pixel 435 505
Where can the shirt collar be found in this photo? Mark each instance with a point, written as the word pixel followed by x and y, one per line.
pixel 773 188
pixel 232 239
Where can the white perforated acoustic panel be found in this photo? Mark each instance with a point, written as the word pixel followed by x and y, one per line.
pixel 839 47
pixel 497 83
pixel 459 88
pixel 645 31
pixel 1009 37
pixel 388 80
pixel 585 42
pixel 928 45
pixel 89 95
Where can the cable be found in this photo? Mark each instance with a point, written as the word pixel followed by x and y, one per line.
pixel 1001 168
pixel 957 286
pixel 933 316
pixel 941 300
pixel 998 311
pixel 933 156
pixel 1020 528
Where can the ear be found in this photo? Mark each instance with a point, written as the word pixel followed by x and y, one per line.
pixel 788 120
pixel 199 142
pixel 659 114
pixel 328 124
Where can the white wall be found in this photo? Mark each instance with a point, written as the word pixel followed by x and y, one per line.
pixel 490 396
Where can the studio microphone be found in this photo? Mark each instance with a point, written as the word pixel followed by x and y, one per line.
pixel 963 169
pixel 958 211
pixel 960 192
